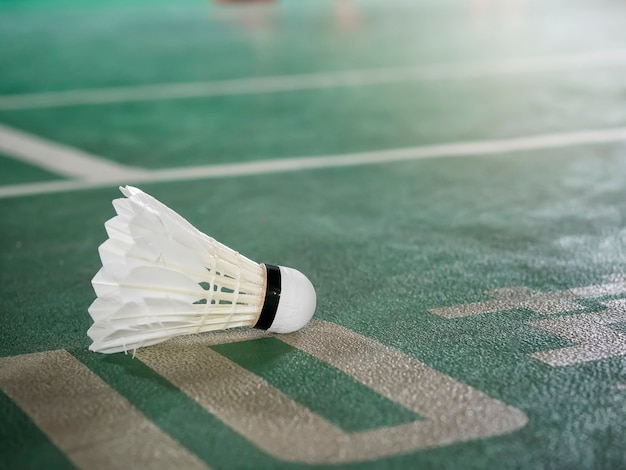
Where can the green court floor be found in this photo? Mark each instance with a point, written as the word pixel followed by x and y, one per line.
pixel 450 174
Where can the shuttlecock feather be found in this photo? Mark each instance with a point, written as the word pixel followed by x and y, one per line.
pixel 161 277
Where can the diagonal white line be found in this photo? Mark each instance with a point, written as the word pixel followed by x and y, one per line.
pixel 61 159
pixel 322 80
pixel 92 424
pixel 461 149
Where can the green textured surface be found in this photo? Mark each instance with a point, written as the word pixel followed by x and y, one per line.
pixel 22 444
pixel 318 386
pixel 387 244
pixel 175 412
pixel 15 172
pixel 383 244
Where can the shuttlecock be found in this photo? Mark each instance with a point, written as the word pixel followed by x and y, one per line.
pixel 161 277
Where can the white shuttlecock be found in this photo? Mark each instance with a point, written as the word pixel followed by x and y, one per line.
pixel 161 277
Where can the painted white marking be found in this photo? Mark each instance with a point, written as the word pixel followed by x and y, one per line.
pixel 61 159
pixel 93 425
pixel 321 80
pixel 453 412
pixel 545 303
pixel 594 339
pixel 398 155
pixel 461 149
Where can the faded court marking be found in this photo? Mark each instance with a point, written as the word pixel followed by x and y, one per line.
pixel 539 302
pixel 453 412
pixel 458 149
pixel 61 159
pixel 594 339
pixel 313 81
pixel 94 426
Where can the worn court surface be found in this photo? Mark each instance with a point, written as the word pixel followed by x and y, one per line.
pixel 451 175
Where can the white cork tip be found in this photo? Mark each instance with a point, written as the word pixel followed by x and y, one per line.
pixel 297 302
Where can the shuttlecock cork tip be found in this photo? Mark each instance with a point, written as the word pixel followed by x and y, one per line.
pixel 290 300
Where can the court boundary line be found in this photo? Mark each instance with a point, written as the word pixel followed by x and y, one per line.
pixel 459 149
pixel 312 81
pixel 61 159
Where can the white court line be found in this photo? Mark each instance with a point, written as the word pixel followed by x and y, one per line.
pixel 60 159
pixel 92 424
pixel 461 149
pixel 277 84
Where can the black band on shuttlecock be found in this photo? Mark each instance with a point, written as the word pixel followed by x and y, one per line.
pixel 272 297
